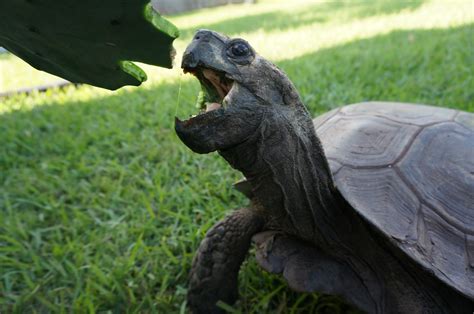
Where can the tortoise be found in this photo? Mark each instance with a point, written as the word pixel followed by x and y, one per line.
pixel 373 202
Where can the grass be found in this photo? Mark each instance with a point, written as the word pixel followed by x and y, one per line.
pixel 102 207
pixel 16 73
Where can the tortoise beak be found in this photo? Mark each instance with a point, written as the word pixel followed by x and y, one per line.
pixel 201 133
pixel 205 50
pixel 218 129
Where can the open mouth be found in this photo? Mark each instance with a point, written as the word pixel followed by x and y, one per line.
pixel 215 86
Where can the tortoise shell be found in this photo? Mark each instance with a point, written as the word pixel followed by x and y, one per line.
pixel 409 171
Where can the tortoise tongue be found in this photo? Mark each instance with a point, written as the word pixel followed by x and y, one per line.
pixel 213 77
pixel 212 106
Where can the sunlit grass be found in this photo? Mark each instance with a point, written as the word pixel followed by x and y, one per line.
pixel 16 73
pixel 321 24
pixel 101 205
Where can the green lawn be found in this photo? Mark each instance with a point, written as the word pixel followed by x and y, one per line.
pixel 102 207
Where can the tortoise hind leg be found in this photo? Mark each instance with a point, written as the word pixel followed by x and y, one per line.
pixel 307 269
pixel 217 262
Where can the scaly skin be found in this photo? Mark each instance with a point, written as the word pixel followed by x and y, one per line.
pixel 217 262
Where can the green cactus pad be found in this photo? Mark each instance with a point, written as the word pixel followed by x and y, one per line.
pixel 88 41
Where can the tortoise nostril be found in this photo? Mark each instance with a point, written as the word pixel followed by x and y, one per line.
pixel 189 60
pixel 197 37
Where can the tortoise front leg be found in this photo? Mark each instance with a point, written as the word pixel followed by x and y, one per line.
pixel 217 262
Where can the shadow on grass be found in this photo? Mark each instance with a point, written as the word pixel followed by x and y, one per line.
pixel 307 14
pixel 83 166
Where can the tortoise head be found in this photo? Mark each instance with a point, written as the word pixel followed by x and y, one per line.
pixel 253 116
pixel 240 90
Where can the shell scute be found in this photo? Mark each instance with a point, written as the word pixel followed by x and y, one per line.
pixel 367 142
pixel 405 113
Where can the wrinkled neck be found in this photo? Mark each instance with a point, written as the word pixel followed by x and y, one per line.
pixel 289 174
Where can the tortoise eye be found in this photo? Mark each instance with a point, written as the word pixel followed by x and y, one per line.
pixel 240 52
pixel 240 49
